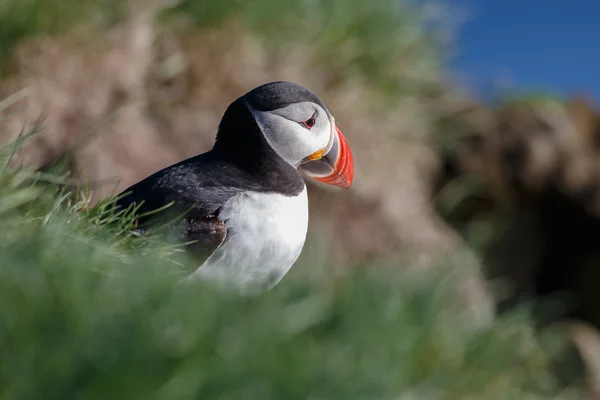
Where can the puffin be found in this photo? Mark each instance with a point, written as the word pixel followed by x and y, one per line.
pixel 244 202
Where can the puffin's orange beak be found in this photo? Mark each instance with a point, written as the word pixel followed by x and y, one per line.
pixel 334 167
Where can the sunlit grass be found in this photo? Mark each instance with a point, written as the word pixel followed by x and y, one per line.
pixel 91 310
pixel 23 19
pixel 390 44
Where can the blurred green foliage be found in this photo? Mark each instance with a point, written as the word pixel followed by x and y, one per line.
pixel 22 19
pixel 388 43
pixel 90 310
pixel 380 41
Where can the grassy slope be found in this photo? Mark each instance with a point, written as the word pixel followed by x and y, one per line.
pixel 90 311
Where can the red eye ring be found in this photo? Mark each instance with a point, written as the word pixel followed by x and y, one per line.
pixel 309 123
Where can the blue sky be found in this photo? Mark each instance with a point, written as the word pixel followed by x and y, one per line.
pixel 530 44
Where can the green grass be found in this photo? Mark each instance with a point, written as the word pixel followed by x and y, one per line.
pixel 89 310
pixel 23 19
pixel 391 45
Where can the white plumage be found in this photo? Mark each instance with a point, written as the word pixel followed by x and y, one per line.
pixel 265 235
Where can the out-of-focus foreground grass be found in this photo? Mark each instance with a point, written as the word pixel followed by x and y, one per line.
pixel 88 310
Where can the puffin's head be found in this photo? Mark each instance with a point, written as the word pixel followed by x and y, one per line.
pixel 302 131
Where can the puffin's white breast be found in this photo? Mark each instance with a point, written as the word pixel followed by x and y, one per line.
pixel 265 235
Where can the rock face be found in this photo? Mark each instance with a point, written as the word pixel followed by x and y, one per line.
pixel 539 162
pixel 143 102
pixel 533 169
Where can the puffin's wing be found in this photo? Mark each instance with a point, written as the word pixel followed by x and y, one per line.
pixel 194 190
pixel 195 223
pixel 208 232
pixel 203 234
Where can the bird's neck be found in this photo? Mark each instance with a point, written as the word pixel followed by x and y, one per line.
pixel 241 142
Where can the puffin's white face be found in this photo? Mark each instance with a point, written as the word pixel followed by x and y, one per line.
pixel 298 132
pixel 300 129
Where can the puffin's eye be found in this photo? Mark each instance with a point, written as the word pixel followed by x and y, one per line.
pixel 309 123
